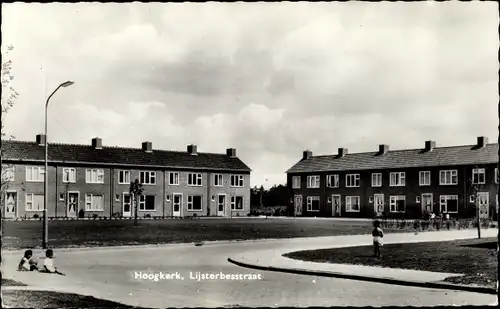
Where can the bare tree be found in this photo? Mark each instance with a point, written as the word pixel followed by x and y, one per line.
pixel 136 190
pixel 475 188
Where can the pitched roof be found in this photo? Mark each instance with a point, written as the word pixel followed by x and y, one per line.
pixel 69 153
pixel 439 156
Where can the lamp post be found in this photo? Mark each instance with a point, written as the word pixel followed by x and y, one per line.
pixel 45 183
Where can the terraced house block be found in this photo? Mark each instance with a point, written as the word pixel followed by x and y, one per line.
pixel 87 180
pixel 411 183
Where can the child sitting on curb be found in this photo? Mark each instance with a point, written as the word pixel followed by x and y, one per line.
pixel 48 263
pixel 377 234
pixel 27 263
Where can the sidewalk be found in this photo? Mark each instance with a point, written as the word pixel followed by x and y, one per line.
pixel 274 260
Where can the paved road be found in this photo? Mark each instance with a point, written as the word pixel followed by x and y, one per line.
pixel 109 274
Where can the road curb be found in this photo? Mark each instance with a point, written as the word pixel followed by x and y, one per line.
pixel 424 284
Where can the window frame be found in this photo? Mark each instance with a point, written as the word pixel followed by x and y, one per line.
pixel 443 172
pixel 32 201
pixel 91 196
pixel 190 204
pixel 396 198
pixel 357 178
pixel 142 203
pixel 218 180
pixel 296 182
pixel 421 177
pixel 151 176
pixel 313 181
pixel 72 171
pixel 309 203
pixel 40 172
pixel 349 204
pixel 399 179
pixel 174 178
pixel 332 183
pixel 126 174
pixel 234 200
pixel 98 172
pixel 8 172
pixel 237 181
pixel 446 198
pixel 195 179
pixel 479 172
pixel 374 177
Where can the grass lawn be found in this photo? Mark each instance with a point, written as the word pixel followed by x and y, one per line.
pixel 45 299
pixel 475 258
pixel 27 234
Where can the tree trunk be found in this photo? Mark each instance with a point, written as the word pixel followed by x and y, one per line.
pixel 135 211
pixel 478 219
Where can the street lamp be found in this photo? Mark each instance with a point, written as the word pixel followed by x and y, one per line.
pixel 45 185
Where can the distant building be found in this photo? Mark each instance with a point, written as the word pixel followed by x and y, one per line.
pixel 399 183
pixel 94 179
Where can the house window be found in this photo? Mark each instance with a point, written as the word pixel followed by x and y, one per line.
pixel 218 180
pixel 397 179
pixel 352 180
pixel 94 202
pixel 34 202
pixel 8 172
pixel 397 203
pixel 478 176
pixel 313 181
pixel 236 202
pixel 296 182
pixel 194 179
pixel 147 203
pixel 69 175
pixel 173 178
pixel 237 181
pixel 377 180
pixel 448 203
pixel 124 177
pixel 94 176
pixel 332 181
pixel 496 175
pixel 352 204
pixel 194 203
pixel 448 177
pixel 148 178
pixel 424 178
pixel 35 173
pixel 313 203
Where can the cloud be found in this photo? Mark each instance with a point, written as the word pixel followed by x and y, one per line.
pixel 270 79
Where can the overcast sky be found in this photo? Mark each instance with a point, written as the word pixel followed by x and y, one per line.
pixel 269 79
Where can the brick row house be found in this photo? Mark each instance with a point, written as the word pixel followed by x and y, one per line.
pixel 92 179
pixel 399 183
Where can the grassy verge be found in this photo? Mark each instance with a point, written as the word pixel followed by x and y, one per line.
pixel 9 282
pixel 46 299
pixel 476 258
pixel 27 234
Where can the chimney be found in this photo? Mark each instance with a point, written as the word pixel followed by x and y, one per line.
pixel 430 145
pixel 307 154
pixel 147 147
pixel 342 152
pixel 41 139
pixel 231 152
pixel 97 143
pixel 192 149
pixel 482 141
pixel 383 149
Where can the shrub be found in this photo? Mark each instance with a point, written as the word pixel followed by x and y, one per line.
pixel 94 216
pixel 448 224
pixel 36 216
pixel 437 224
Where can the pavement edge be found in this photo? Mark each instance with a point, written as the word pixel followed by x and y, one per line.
pixel 435 285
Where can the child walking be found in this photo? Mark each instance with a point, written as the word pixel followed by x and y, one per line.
pixel 27 263
pixel 377 234
pixel 48 263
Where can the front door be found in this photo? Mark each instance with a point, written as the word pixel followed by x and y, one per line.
pixel 336 205
pixel 484 204
pixel 426 202
pixel 72 206
pixel 127 205
pixel 176 205
pixel 378 205
pixel 298 205
pixel 221 205
pixel 10 204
